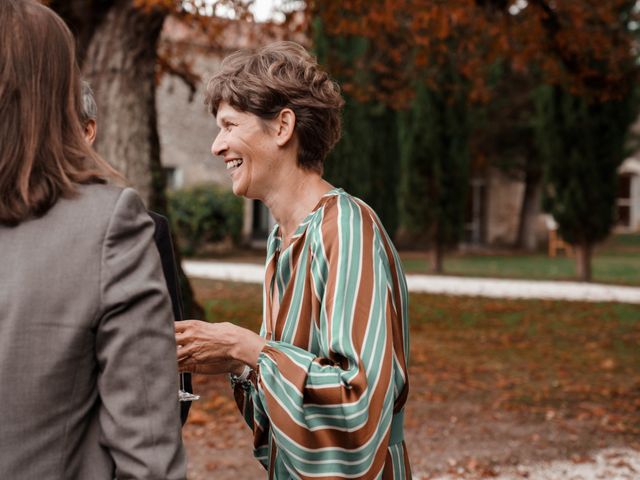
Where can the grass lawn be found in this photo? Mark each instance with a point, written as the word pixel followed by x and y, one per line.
pixel 615 261
pixel 576 358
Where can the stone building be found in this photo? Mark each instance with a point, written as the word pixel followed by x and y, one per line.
pixel 493 215
pixel 628 205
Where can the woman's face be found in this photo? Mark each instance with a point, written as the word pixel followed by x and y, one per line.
pixel 248 147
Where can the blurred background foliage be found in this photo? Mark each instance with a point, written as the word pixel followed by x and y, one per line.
pixel 203 215
pixel 547 90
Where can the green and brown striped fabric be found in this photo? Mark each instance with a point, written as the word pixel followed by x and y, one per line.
pixel 332 382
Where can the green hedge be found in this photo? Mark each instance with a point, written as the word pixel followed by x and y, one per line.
pixel 205 214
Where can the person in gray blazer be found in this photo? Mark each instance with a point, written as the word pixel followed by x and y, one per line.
pixel 88 113
pixel 88 376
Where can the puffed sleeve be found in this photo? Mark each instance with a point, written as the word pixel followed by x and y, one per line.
pixel 136 351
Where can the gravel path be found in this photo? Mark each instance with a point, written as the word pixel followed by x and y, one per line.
pixel 447 285
pixel 608 464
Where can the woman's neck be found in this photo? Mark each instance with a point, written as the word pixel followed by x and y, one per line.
pixel 295 199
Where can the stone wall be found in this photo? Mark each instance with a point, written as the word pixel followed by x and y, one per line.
pixel 187 130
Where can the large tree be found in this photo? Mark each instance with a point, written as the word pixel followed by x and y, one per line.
pixel 118 49
pixel 583 114
pixel 118 52
pixel 435 157
pixel 503 137
pixel 582 144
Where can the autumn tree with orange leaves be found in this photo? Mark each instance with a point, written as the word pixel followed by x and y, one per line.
pixel 582 50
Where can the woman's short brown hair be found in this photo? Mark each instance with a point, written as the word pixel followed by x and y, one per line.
pixel 283 75
pixel 43 153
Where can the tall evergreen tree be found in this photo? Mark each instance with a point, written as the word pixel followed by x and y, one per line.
pixel 405 143
pixel 582 143
pixel 434 135
pixel 365 161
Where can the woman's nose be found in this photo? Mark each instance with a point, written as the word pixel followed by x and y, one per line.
pixel 219 145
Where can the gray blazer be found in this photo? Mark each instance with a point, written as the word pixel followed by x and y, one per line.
pixel 88 373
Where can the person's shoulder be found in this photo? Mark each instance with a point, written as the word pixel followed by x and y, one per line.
pixel 345 207
pixel 101 189
pixel 106 197
pixel 96 205
pixel 158 217
pixel 98 195
pixel 87 200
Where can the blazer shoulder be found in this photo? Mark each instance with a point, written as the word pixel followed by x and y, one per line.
pixel 96 208
pixel 100 191
pixel 103 201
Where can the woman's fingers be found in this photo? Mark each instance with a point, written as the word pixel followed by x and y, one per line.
pixel 213 348
pixel 185 325
pixel 186 331
pixel 183 352
pixel 200 341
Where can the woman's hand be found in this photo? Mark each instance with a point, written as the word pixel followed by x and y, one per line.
pixel 214 348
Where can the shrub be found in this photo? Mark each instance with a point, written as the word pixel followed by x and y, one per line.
pixel 204 214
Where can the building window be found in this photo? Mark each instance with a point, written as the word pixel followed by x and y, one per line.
pixel 624 201
pixel 173 177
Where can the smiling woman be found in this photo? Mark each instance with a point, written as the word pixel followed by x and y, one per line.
pixel 325 383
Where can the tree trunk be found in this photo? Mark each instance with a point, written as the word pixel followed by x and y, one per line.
pixel 526 238
pixel 436 258
pixel 583 261
pixel 83 18
pixel 120 65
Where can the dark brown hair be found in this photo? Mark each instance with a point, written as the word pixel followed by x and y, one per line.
pixel 43 153
pixel 283 75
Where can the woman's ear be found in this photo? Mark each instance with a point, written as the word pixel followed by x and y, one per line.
pixel 285 126
pixel 90 131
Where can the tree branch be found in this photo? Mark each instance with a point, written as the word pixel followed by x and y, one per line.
pixel 182 70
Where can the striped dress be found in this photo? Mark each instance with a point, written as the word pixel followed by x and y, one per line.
pixel 327 398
